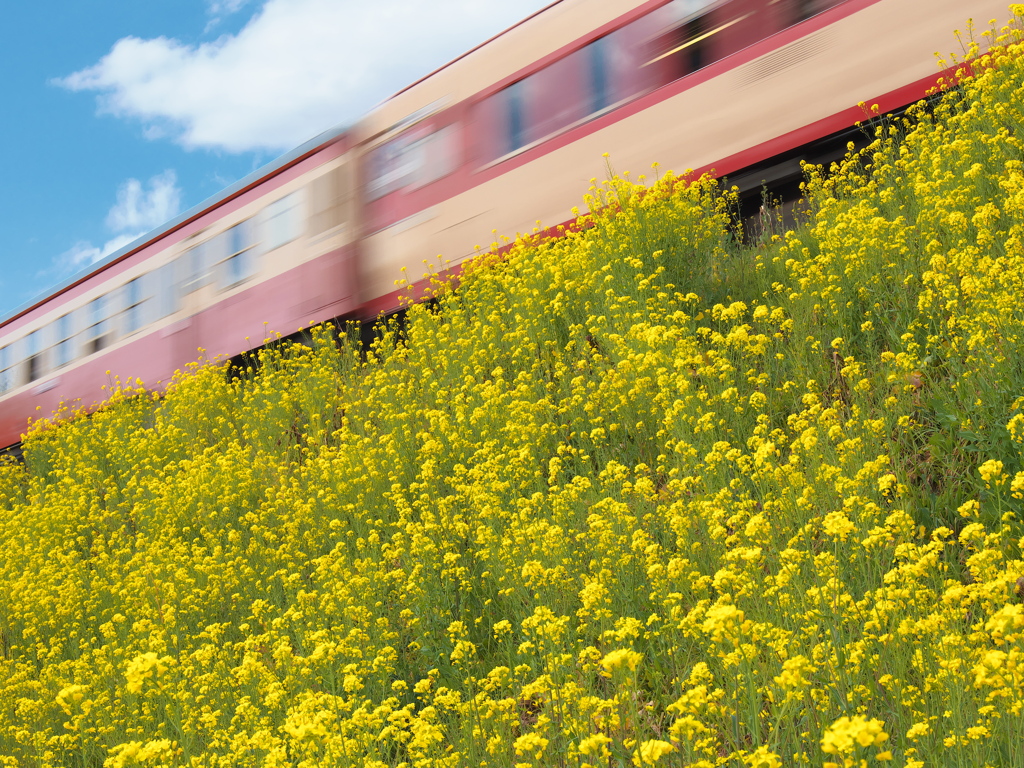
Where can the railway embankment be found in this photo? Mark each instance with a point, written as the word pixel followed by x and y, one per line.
pixel 642 495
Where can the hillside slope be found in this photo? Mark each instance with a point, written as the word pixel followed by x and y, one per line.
pixel 640 495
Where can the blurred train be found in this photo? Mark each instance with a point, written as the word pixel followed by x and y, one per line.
pixel 503 136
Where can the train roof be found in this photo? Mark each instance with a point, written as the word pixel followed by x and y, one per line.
pixel 472 50
pixel 272 168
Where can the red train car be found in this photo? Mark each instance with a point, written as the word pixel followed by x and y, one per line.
pixel 272 253
pixel 507 134
pixel 732 86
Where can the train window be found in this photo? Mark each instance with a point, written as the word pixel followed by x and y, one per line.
pixel 5 368
pixel 97 334
pixel 196 262
pixel 390 166
pixel 560 95
pixel 506 124
pixel 685 39
pixel 597 58
pixel 63 332
pixel 502 121
pixel 239 262
pixel 168 297
pixel 134 299
pixel 515 119
pixel 439 155
pixel 617 71
pixel 419 156
pixel 603 74
pixel 795 11
pixel 33 356
pixel 282 222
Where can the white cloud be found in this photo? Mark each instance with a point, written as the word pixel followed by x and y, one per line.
pixel 219 8
pixel 140 209
pixel 297 68
pixel 84 253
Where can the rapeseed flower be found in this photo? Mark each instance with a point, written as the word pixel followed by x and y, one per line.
pixel 643 494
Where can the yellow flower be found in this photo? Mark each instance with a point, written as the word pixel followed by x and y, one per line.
pixel 1005 624
pixel 794 672
pixel 532 744
pixel 847 734
pixel 618 659
pixel 762 757
pixel 651 751
pixel 917 730
pixel 145 667
pixel 838 525
pixel 69 695
pixel 724 621
pixel 991 471
pixel 595 744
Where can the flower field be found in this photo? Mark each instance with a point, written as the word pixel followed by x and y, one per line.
pixel 641 495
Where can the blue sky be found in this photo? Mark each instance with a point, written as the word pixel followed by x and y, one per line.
pixel 119 115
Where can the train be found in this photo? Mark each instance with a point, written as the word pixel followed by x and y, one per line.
pixel 507 135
